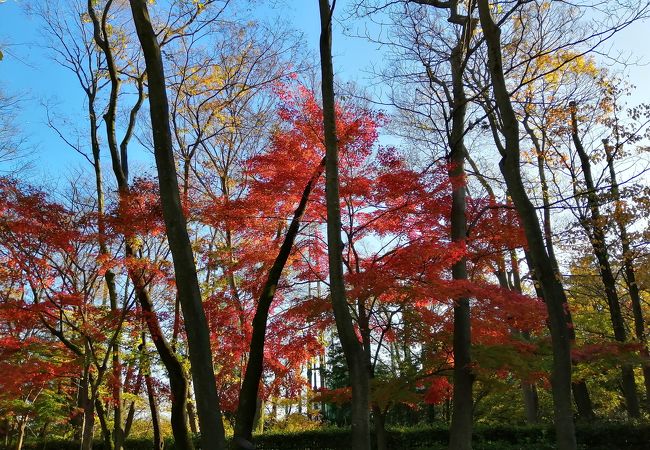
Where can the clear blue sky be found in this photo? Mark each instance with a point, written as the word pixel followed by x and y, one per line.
pixel 27 71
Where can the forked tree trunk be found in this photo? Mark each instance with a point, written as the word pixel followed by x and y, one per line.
pixel 352 348
pixel 554 294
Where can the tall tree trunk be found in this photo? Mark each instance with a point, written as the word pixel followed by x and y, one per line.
pixel 352 348
pixel 460 433
pixel 594 227
pixel 101 37
pixel 629 270
pixel 248 394
pixel 579 388
pixel 554 295
pixel 118 430
pixel 196 326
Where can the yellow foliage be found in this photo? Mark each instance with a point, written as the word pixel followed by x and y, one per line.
pixel 295 423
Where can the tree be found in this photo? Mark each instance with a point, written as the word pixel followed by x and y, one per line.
pixel 554 295
pixel 594 227
pixel 461 422
pixel 12 142
pixel 357 364
pixel 212 432
pixel 248 395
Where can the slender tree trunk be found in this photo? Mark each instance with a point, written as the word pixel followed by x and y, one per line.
pixel 128 422
pixel 158 443
pixel 580 391
pixel 101 37
pixel 460 433
pixel 22 425
pixel 77 420
pixel 377 414
pixel 118 430
pixel 594 227
pixel 101 415
pixel 352 348
pixel 554 295
pixel 629 271
pixel 248 395
pixel 178 382
pixel 88 410
pixel 321 372
pixel 196 326
pixel 529 390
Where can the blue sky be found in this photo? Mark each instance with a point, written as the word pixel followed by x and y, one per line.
pixel 27 71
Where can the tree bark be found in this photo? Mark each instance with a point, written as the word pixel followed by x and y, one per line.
pixel 196 326
pixel 101 415
pixel 22 425
pixel 88 410
pixel 629 271
pixel 555 298
pixel 594 227
pixel 158 443
pixel 460 432
pixel 529 390
pixel 248 394
pixel 581 396
pixel 177 380
pixel 352 348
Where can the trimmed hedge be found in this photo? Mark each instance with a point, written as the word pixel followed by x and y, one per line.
pixel 603 436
